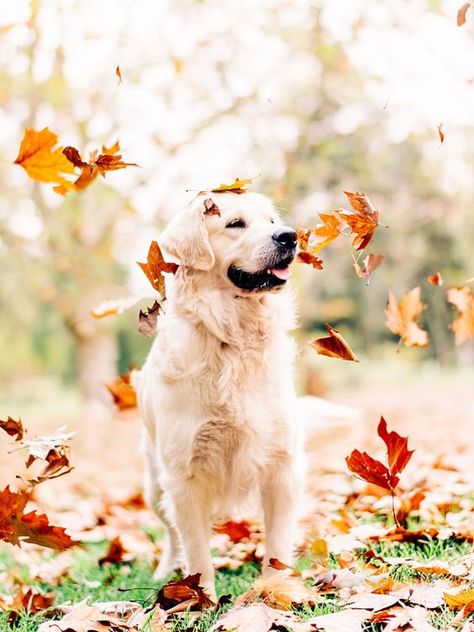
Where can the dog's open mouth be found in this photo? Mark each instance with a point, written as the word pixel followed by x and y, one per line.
pixel 267 279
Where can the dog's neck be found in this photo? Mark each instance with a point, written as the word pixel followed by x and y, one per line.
pixel 233 319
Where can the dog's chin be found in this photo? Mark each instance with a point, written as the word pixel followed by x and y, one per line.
pixel 266 280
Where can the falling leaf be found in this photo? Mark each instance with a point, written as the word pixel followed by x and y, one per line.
pixel 363 220
pixel 398 453
pixel 371 470
pixel 325 233
pixel 460 599
pixel 41 162
pixel 123 392
pixel 307 257
pixel 440 133
pixel 435 279
pixel 116 553
pixel 114 306
pixel 155 266
pixel 211 208
pixel 54 450
pixel 237 531
pixel 119 75
pixel 13 427
pixel 370 263
pixel 186 592
pixel 334 346
pixel 463 325
pixel 401 318
pixel 238 186
pixel 461 16
pixel 148 320
pixel 17 527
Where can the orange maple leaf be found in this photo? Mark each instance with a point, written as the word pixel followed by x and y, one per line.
pixel 401 318
pixel 326 232
pixel 16 526
pixel 123 393
pixel 155 266
pixel 41 162
pixel 463 325
pixel 363 220
pixel 334 346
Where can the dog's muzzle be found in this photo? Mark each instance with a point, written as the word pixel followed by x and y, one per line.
pixel 275 272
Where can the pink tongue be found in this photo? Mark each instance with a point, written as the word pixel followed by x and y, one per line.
pixel 281 273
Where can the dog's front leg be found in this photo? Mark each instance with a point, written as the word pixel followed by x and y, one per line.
pixel 281 492
pixel 192 519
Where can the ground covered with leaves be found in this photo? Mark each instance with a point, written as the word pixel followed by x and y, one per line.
pixel 355 568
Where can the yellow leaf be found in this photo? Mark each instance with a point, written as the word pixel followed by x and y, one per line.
pixel 43 163
pixel 238 186
pixel 459 600
pixel 319 549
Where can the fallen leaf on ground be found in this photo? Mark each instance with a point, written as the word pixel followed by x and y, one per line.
pixel 238 186
pixel 237 531
pixel 13 427
pixel 183 595
pixel 279 591
pixel 436 279
pixel 116 553
pixel 370 263
pixel 334 346
pixel 348 620
pixel 17 527
pixel 363 220
pixel 41 162
pixel 155 266
pixel 463 325
pixel 460 599
pixel 123 392
pixel 258 617
pixel 461 15
pixel 87 618
pixel 148 320
pixel 401 318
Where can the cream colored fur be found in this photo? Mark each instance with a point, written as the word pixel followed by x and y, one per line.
pixel 216 391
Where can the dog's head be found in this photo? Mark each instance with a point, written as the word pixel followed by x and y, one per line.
pixel 245 245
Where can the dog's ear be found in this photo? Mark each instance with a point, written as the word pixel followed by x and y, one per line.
pixel 186 238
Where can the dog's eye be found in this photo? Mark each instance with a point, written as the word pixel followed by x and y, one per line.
pixel 236 223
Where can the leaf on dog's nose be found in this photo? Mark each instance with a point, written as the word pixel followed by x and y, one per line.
pixel 363 220
pixel 312 260
pixel 401 318
pixel 148 319
pixel 238 186
pixel 211 208
pixel 463 325
pixel 370 263
pixel 155 266
pixel 334 346
pixel 123 393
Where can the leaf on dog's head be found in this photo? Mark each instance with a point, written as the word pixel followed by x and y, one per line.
pixel 155 266
pixel 13 427
pixel 401 318
pixel 238 186
pixel 123 392
pixel 370 263
pixel 461 15
pixel 308 258
pixel 435 279
pixel 463 325
pixel 363 220
pixel 334 346
pixel 211 208
pixel 148 319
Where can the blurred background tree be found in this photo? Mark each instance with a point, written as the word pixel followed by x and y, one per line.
pixel 317 97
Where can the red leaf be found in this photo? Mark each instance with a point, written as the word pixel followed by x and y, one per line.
pixel 237 531
pixel 334 346
pixel 398 453
pixel 371 470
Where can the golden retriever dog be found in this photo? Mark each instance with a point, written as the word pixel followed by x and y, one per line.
pixel 223 428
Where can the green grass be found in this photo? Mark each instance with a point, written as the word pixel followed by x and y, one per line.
pixel 137 579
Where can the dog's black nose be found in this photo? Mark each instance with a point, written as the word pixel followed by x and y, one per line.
pixel 285 237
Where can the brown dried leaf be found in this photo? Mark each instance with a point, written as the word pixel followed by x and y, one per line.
pixel 211 208
pixel 370 263
pixel 13 427
pixel 155 266
pixel 334 346
pixel 307 257
pixel 461 15
pixel 123 393
pixel 401 318
pixel 116 553
pixel 185 591
pixel 148 320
